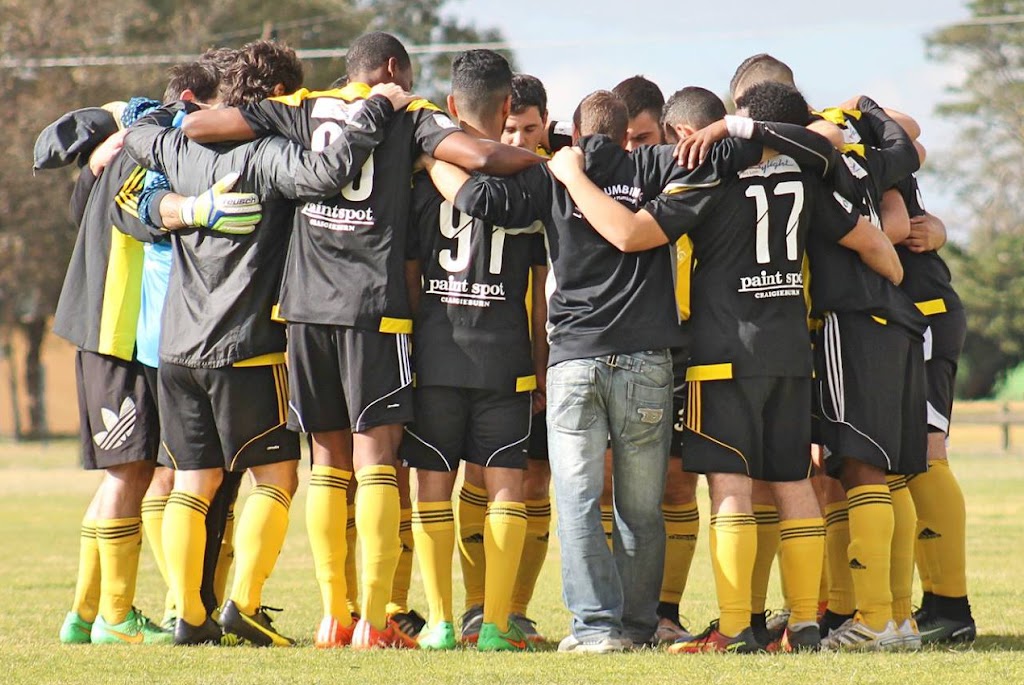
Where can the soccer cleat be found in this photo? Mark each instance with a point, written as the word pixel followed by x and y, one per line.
pixel 471 622
pixel 604 645
pixel 493 640
pixel 439 637
pixel 392 637
pixel 797 638
pixel 75 631
pixel 257 628
pixel 911 635
pixel 855 635
pixel 712 640
pixel 168 621
pixel 938 629
pixel 668 631
pixel 209 633
pixel 135 629
pixel 410 622
pixel 333 634
pixel 777 622
pixel 528 626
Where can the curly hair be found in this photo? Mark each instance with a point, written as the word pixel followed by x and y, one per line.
pixel 259 67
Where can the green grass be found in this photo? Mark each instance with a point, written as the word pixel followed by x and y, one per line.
pixel 43 495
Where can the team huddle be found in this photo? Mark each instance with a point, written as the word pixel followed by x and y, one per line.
pixel 605 308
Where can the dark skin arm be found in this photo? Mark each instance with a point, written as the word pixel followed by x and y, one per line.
pixel 484 156
pixel 217 125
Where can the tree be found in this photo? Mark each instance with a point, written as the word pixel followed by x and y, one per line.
pixel 985 168
pixel 36 236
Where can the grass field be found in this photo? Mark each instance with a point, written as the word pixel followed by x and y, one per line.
pixel 43 495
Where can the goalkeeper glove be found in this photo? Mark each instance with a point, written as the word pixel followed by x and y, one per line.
pixel 234 213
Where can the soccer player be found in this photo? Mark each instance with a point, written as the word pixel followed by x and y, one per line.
pixel 344 297
pixel 474 372
pixel 223 370
pixel 98 311
pixel 749 395
pixel 945 614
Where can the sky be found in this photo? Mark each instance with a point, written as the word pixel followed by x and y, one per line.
pixel 579 47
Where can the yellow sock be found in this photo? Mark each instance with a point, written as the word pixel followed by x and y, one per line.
pixel 184 545
pixel 504 533
pixel 351 567
pixel 472 508
pixel 943 538
pixel 261 531
pixel 733 549
pixel 225 557
pixel 377 514
pixel 119 542
pixel 326 513
pixel 535 551
pixel 682 523
pixel 152 526
pixel 801 548
pixel 399 603
pixel 433 527
pixel 901 570
pixel 87 587
pixel 767 517
pixel 837 544
pixel 823 583
pixel 608 522
pixel 871 528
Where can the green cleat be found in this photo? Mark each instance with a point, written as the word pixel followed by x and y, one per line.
pixel 75 631
pixel 135 629
pixel 438 637
pixel 493 640
pixel 169 620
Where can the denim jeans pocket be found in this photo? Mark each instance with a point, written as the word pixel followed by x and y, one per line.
pixel 648 412
pixel 571 395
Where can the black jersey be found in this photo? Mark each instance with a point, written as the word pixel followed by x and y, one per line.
pixel 345 262
pixel 882 155
pixel 749 234
pixel 223 287
pixel 471 327
pixel 926 278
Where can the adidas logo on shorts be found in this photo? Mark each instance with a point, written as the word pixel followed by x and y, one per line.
pixel 119 426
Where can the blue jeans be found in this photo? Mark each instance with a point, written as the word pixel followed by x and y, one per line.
pixel 626 398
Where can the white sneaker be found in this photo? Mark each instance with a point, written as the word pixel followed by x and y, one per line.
pixel 604 645
pixel 911 635
pixel 855 635
pixel 669 631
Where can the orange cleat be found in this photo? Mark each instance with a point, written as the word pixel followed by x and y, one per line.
pixel 332 634
pixel 366 636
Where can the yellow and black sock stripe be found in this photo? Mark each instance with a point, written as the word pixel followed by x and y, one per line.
pixel 861 499
pixel 472 495
pixel 896 482
pixel 426 513
pixel 189 501
pixel 514 510
pixel 767 516
pixel 273 492
pixel 801 531
pixel 88 530
pixel 538 510
pixel 733 520
pixel 673 514
pixel 153 505
pixel 836 514
pixel 280 372
pixel 124 530
pixel 404 522
pixel 377 475
pixel 326 477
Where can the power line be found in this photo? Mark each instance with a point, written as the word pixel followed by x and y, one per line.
pixel 9 62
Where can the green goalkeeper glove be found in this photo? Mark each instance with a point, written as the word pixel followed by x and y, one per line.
pixel 234 213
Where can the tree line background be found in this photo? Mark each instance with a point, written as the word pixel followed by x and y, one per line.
pixel 985 169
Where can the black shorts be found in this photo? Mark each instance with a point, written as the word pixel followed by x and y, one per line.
pixel 232 417
pixel 760 427
pixel 942 346
pixel 342 377
pixel 679 394
pixel 871 383
pixel 481 427
pixel 538 447
pixel 117 407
